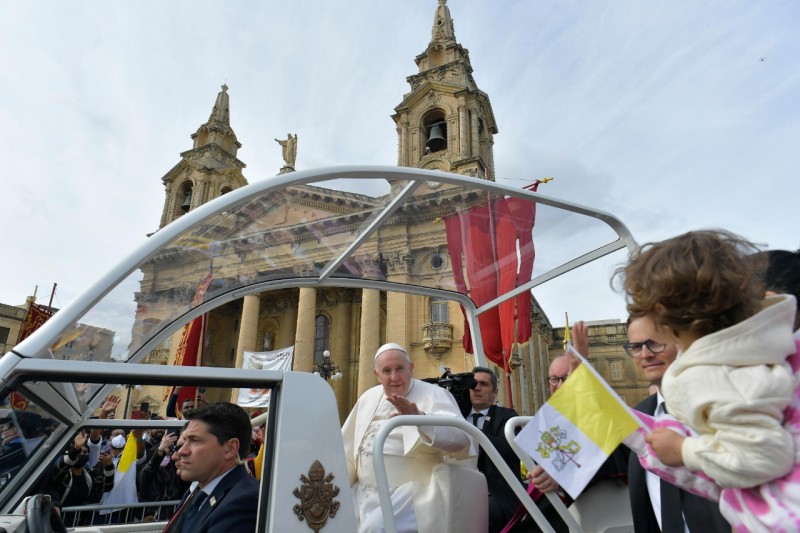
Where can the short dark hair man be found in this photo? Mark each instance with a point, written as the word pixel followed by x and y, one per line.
pixel 211 452
pixel 491 419
pixel 503 503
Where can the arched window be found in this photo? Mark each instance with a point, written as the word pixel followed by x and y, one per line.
pixel 322 336
pixel 440 312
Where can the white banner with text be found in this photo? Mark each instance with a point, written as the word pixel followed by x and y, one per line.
pixel 279 360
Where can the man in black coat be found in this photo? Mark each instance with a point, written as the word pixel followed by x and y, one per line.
pixel 491 419
pixel 656 505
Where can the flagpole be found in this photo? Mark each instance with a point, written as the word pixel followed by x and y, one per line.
pixel 507 372
pixel 52 295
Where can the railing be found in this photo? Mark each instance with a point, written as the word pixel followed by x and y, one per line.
pixel 86 515
pixel 382 478
pixel 437 337
pixel 159 356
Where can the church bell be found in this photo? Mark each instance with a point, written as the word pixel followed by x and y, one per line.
pixel 187 202
pixel 436 140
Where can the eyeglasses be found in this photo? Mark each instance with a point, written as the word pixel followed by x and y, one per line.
pixel 555 380
pixel 634 349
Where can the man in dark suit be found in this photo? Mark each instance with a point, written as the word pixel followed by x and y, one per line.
pixel 211 451
pixel 655 504
pixel 491 419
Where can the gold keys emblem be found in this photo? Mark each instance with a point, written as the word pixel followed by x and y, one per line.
pixel 316 496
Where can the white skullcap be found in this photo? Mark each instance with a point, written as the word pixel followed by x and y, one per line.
pixel 118 441
pixel 390 346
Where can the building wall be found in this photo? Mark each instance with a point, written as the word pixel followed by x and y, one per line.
pixel 606 354
pixel 11 318
pixel 443 92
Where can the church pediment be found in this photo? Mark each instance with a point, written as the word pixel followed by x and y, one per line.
pixel 456 74
pixel 211 157
pixel 299 214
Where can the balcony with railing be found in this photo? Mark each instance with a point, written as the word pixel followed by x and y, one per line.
pixel 159 356
pixel 437 337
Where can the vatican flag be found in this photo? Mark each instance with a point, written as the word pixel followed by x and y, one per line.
pixel 573 434
pixel 124 491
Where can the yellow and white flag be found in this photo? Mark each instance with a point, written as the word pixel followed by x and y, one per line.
pixel 573 434
pixel 124 491
pixel 129 453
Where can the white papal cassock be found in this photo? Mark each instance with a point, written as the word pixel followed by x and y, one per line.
pixel 410 453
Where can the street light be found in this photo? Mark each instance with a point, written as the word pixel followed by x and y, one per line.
pixel 128 396
pixel 326 369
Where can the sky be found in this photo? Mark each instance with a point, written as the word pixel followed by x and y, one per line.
pixel 673 116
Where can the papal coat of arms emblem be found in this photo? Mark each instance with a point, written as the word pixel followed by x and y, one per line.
pixel 316 496
pixel 554 442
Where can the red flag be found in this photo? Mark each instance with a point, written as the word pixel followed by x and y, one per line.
pixel 190 349
pixel 37 315
pixel 455 245
pixel 523 215
pixel 506 242
pixel 471 232
pixel 489 237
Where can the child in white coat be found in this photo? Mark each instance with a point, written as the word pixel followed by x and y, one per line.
pixel 731 382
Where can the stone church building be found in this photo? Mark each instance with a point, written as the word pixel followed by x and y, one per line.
pixel 445 122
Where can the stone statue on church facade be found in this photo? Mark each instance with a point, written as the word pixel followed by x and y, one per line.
pixel 289 146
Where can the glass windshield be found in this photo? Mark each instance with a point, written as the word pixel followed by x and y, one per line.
pixel 475 239
pixel 27 433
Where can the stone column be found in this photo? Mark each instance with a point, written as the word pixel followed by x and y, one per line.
pixel 340 355
pixel 304 334
pixel 399 130
pixel 402 142
pixel 370 338
pixel 248 333
pixel 285 335
pixel 474 134
pixel 397 318
pixel 462 131
pixel 397 303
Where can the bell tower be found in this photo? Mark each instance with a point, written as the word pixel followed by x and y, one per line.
pixel 209 169
pixel 445 122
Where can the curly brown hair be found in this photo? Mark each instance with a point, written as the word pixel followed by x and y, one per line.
pixel 700 282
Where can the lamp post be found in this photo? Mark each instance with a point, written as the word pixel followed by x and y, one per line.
pixel 326 369
pixel 128 396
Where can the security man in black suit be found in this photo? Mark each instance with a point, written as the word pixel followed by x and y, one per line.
pixel 491 419
pixel 677 509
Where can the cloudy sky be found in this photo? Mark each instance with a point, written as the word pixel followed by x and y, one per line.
pixel 661 113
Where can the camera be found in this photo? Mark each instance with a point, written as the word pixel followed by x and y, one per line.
pixel 459 386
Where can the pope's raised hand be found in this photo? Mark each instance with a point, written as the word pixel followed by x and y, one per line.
pixel 403 405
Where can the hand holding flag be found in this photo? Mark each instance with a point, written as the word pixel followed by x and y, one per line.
pixel 581 424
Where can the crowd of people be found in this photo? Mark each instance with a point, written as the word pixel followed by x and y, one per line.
pixel 162 465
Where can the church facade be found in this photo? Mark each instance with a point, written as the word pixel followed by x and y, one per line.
pixel 445 122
